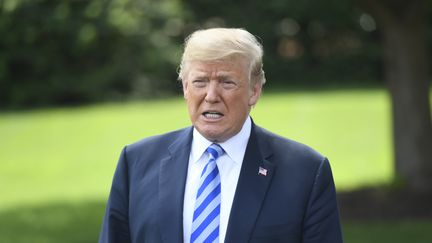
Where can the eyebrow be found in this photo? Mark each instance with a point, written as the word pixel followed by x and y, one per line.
pixel 225 77
pixel 199 76
pixel 204 75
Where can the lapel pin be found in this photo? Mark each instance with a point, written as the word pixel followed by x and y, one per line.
pixel 262 171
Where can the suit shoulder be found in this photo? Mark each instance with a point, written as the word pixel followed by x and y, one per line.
pixel 155 143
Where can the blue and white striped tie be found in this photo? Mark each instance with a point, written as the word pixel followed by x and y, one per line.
pixel 205 224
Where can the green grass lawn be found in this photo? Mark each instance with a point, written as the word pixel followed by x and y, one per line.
pixel 56 165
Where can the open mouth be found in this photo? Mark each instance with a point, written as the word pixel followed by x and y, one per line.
pixel 212 114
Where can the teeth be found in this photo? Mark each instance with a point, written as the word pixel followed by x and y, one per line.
pixel 212 115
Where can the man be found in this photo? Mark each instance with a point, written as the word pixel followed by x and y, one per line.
pixel 224 179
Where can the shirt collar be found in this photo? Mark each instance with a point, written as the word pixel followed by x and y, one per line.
pixel 235 147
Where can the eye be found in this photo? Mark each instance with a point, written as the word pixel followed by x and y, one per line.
pixel 229 84
pixel 199 83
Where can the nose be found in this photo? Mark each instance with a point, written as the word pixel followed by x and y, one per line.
pixel 212 95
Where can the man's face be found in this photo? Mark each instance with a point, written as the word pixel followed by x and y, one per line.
pixel 219 96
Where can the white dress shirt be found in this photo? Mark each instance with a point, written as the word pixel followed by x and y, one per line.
pixel 229 165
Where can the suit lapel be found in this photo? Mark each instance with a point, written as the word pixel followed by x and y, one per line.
pixel 172 180
pixel 251 189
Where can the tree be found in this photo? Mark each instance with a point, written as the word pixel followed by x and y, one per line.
pixel 323 32
pixel 306 43
pixel 68 52
pixel 404 40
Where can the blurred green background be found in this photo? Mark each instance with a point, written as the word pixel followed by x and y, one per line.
pixel 81 79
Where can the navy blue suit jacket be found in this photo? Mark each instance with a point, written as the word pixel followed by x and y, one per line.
pixel 294 203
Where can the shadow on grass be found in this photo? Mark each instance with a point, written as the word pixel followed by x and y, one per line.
pixel 385 203
pixel 79 222
pixel 388 231
pixel 58 222
pixel 384 214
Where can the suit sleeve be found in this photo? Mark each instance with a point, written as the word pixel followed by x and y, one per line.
pixel 322 224
pixel 115 226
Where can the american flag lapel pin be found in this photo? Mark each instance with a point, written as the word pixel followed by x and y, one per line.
pixel 262 171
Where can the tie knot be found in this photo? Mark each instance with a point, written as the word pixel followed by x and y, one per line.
pixel 215 150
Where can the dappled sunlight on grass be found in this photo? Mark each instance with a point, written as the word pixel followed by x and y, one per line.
pixel 352 128
pixel 71 153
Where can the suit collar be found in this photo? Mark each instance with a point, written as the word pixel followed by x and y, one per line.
pixel 234 147
pixel 251 188
pixel 172 180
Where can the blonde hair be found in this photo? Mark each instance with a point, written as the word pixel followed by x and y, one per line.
pixel 221 43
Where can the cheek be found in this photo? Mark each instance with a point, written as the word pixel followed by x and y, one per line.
pixel 238 106
pixel 192 103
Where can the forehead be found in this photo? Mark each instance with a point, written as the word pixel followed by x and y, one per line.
pixel 224 67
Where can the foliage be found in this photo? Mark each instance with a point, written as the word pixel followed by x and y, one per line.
pixel 306 43
pixel 72 51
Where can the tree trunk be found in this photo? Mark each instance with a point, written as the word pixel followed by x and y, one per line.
pixel 403 29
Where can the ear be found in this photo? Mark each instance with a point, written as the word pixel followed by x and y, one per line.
pixel 254 94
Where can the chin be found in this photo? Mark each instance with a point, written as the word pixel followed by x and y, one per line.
pixel 212 136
